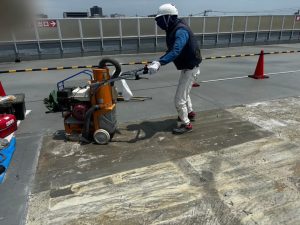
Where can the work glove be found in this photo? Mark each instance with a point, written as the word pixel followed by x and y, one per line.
pixel 153 67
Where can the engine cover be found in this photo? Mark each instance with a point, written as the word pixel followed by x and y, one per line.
pixel 79 111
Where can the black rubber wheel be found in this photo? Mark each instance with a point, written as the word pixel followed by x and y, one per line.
pixel 108 61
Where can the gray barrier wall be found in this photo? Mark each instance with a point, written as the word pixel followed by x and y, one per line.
pixel 71 37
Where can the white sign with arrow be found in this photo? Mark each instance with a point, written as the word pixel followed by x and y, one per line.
pixel 47 23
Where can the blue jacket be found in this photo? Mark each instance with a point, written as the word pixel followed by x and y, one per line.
pixel 183 48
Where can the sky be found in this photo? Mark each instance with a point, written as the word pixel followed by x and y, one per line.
pixel 55 8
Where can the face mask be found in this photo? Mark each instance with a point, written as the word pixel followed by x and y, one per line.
pixel 162 22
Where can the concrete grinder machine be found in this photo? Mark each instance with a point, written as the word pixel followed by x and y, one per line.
pixel 90 112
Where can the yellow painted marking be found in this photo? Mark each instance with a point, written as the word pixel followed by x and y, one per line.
pixel 12 71
pixel 132 63
pixel 74 67
pixel 213 57
pixel 28 70
pixel 89 66
pixel 60 68
pixel 144 62
pixel 44 69
pixel 233 55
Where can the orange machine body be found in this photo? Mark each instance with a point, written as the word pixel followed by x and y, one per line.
pixel 103 96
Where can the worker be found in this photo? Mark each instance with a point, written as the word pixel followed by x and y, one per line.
pixel 184 51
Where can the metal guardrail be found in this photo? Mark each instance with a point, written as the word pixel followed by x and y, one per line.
pixel 140 63
pixel 106 35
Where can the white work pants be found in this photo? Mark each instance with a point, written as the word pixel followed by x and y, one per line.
pixel 183 101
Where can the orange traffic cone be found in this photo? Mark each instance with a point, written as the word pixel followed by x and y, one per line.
pixel 259 71
pixel 2 92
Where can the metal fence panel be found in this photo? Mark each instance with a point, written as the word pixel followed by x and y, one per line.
pixel 297 24
pixel 275 36
pixel 239 23
pixel 7 51
pixel 265 23
pixel 50 48
pixel 277 22
pixel 197 24
pixel 107 35
pixel 69 28
pixel 71 47
pixel 252 23
pixel 92 45
pixel 90 28
pixel 111 28
pixel 5 37
pixel 211 24
pixel 48 33
pixel 262 37
pixel 226 24
pixel 147 26
pixel 130 27
pixel 25 34
pixel 288 22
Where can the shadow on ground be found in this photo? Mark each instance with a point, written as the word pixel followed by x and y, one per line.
pixel 138 145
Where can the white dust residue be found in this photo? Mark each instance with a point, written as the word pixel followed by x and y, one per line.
pixel 85 160
pixel 258 104
pixel 66 149
pixel 75 149
pixel 161 138
pixel 89 157
pixel 270 124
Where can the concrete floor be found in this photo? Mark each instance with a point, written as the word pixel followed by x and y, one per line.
pixel 228 171
pixel 39 128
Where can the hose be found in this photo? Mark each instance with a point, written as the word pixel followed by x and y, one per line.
pixel 103 63
pixel 87 121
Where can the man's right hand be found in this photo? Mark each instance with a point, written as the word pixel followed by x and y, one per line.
pixel 153 67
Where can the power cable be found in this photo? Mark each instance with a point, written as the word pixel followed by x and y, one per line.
pixel 292 10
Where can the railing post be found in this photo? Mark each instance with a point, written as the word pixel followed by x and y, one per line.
pixel 282 27
pixel 101 34
pixel 139 32
pixel 232 28
pixel 121 34
pixel 218 31
pixel 258 28
pixel 245 30
pixel 156 42
pixel 293 29
pixel 189 21
pixel 203 32
pixel 15 44
pixel 81 35
pixel 271 27
pixel 60 38
pixel 37 37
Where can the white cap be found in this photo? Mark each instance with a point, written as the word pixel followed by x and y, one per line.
pixel 167 9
